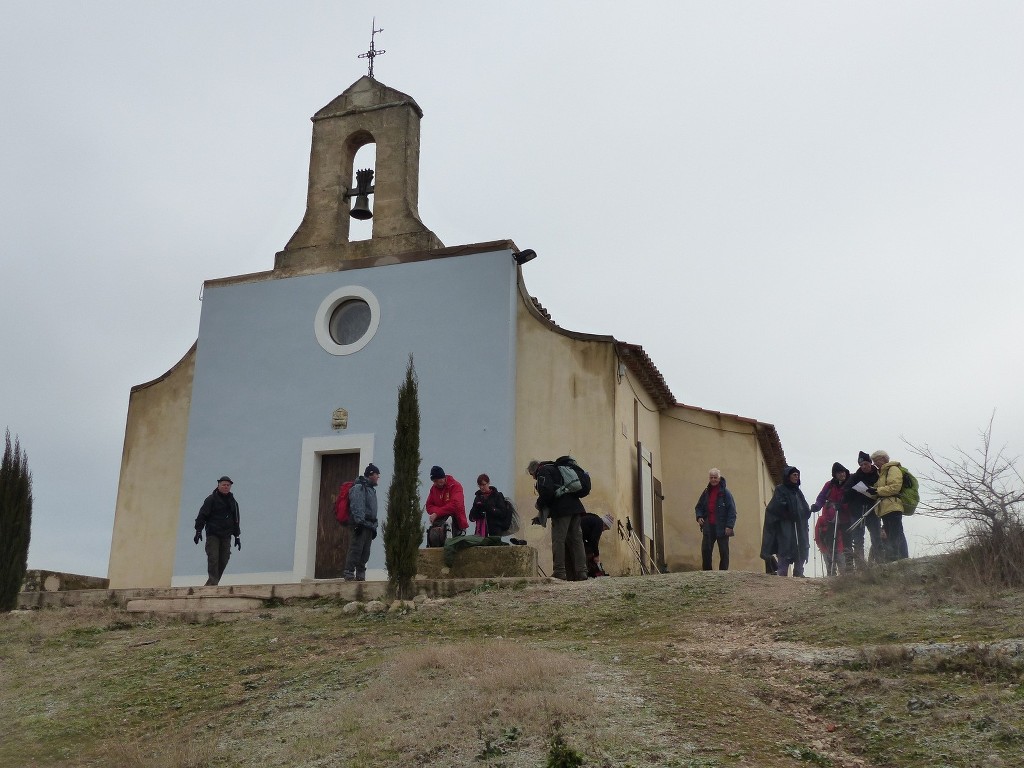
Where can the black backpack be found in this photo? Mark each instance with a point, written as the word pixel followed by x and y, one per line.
pixel 437 533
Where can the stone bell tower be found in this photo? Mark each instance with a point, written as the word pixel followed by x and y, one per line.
pixel 368 112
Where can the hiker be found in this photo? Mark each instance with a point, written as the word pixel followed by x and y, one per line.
pixel 362 510
pixel 220 518
pixel 592 526
pixel 490 511
pixel 859 504
pixel 890 507
pixel 716 516
pixel 785 525
pixel 832 503
pixel 565 510
pixel 446 501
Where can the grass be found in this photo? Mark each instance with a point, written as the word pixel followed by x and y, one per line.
pixel 695 670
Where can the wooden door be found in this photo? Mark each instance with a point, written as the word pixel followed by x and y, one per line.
pixel 332 538
pixel 659 528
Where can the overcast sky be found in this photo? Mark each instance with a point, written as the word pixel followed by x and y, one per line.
pixel 808 213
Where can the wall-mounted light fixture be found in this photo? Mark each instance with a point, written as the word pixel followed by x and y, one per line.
pixel 524 256
pixel 364 188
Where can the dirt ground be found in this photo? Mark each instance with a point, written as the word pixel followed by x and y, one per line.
pixel 696 670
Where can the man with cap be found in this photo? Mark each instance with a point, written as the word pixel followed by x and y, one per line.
pixel 219 517
pixel 446 500
pixel 859 504
pixel 362 511
pixel 592 527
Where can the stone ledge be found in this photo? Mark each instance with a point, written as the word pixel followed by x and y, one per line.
pixel 56 581
pixel 256 595
pixel 478 563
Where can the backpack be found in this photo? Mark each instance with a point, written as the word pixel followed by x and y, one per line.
pixel 575 479
pixel 910 493
pixel 341 505
pixel 513 524
pixel 437 533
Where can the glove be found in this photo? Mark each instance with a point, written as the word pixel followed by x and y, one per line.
pixel 198 537
pixel 815 507
pixel 238 543
pixel 535 521
pixel 872 491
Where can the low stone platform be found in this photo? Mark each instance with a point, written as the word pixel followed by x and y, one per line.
pixel 238 598
pixel 478 563
pixel 55 581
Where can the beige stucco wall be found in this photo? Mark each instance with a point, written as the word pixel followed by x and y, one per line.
pixel 636 420
pixel 693 441
pixel 149 491
pixel 565 403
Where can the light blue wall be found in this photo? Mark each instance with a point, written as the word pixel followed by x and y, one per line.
pixel 262 384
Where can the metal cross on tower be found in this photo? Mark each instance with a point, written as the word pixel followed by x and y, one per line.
pixel 372 53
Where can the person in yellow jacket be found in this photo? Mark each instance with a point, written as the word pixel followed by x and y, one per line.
pixel 890 507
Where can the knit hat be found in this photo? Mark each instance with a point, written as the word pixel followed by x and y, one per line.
pixel 862 457
pixel 371 469
pixel 225 479
pixel 609 521
pixel 436 473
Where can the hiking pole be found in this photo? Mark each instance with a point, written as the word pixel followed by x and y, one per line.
pixel 865 515
pixel 835 542
pixel 796 539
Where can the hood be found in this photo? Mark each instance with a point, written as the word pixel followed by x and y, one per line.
pixel 786 473
pixel 837 467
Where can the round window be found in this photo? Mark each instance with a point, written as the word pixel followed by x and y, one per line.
pixel 350 321
pixel 346 320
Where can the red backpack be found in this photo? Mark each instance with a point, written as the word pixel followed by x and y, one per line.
pixel 341 505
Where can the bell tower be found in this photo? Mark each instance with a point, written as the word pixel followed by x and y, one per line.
pixel 368 112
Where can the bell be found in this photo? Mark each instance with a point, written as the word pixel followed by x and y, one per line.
pixel 361 208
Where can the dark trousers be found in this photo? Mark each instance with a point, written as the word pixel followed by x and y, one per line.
pixel 358 553
pixel 707 546
pixel 895 541
pixel 874 526
pixel 218 552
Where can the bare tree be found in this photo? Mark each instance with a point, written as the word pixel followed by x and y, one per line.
pixel 982 493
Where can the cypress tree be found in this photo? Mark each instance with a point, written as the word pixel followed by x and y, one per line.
pixel 15 521
pixel 403 530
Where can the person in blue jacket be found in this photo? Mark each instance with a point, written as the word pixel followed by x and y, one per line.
pixel 716 516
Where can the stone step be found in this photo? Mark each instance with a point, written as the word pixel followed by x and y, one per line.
pixel 195 604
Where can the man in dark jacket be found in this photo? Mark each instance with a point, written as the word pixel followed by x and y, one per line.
pixel 785 525
pixel 362 511
pixel 564 510
pixel 219 516
pixel 716 516
pixel 859 504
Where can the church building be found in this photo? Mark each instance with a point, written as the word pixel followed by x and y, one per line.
pixel 291 389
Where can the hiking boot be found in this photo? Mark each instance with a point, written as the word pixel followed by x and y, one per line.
pixel 360 576
pixel 348 576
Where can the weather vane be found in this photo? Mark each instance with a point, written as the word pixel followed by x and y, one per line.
pixel 373 52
